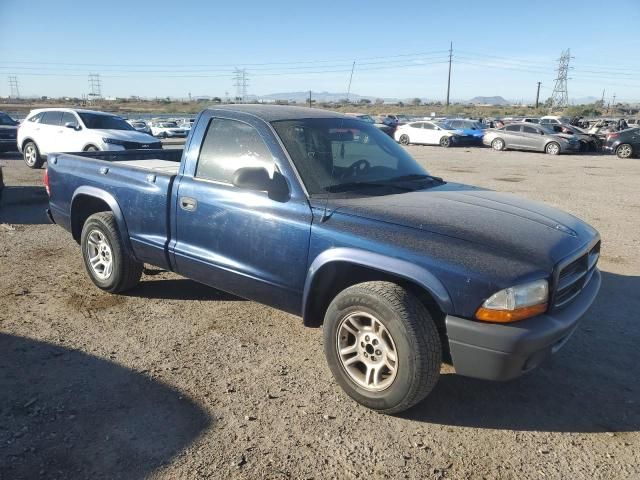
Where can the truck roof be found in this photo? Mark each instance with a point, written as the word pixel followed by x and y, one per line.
pixel 269 113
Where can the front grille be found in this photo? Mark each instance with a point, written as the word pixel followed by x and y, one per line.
pixel 575 276
pixel 139 146
pixel 8 135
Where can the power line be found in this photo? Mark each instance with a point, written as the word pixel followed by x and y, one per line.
pixel 13 85
pixel 560 95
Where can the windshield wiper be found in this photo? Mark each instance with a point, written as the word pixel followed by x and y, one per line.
pixel 415 176
pixel 345 187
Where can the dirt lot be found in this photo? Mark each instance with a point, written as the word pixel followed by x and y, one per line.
pixel 177 380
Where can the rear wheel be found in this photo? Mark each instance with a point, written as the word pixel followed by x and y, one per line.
pixel 498 144
pixel 624 151
pixel 382 346
pixel 91 148
pixel 552 148
pixel 31 155
pixel 404 139
pixel 105 258
pixel 445 142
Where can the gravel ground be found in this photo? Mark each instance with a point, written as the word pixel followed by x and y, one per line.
pixel 177 380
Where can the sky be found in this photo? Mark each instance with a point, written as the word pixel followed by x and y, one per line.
pixel 400 49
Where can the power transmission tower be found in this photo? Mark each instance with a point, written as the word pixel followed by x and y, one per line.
pixel 13 85
pixel 241 82
pixel 560 95
pixel 95 86
pixel 449 78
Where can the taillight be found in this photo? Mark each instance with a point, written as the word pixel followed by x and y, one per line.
pixel 612 135
pixel 46 181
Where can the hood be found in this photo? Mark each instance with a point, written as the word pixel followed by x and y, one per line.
pixel 126 135
pixel 499 221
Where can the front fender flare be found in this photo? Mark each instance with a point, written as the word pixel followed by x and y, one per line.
pixel 389 265
pixel 110 200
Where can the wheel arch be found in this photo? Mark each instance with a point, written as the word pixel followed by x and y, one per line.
pixel 24 142
pixel 89 200
pixel 336 269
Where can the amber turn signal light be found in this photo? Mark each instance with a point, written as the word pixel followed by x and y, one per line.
pixel 507 316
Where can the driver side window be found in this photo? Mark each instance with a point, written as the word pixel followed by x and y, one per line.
pixel 229 145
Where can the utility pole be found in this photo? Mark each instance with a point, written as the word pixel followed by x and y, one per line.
pixel 95 86
pixel 13 85
pixel 241 81
pixel 309 98
pixel 449 78
pixel 538 95
pixel 560 95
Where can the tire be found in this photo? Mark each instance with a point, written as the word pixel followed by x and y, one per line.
pixel 101 239
pixel 404 139
pixel 445 142
pixel 31 155
pixel 624 151
pixel 552 148
pixel 406 332
pixel 498 144
pixel 91 148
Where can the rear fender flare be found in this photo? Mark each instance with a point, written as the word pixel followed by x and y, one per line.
pixel 110 200
pixel 375 261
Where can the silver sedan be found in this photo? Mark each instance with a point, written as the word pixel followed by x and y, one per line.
pixel 528 136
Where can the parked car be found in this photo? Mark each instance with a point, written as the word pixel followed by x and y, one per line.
pixel 166 129
pixel 531 120
pixel 625 144
pixel 389 130
pixel 588 143
pixel 474 130
pixel 140 126
pixel 429 133
pixel 527 136
pixel 402 269
pixel 8 133
pixel 50 130
pixel 555 120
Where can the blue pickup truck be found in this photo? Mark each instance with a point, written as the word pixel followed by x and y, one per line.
pixel 324 216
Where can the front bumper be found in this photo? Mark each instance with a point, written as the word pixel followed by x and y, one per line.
pixel 505 351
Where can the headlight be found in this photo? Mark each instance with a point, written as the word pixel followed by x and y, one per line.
pixel 112 141
pixel 515 303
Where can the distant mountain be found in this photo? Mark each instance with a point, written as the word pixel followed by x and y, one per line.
pixel 497 100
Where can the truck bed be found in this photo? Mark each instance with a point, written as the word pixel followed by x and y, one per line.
pixel 136 182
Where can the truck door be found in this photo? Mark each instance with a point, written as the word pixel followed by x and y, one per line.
pixel 241 241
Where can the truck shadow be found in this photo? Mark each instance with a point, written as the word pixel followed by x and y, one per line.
pixel 24 205
pixel 180 289
pixel 591 385
pixel 66 414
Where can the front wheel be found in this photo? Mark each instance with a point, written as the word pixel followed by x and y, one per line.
pixel 552 148
pixel 498 144
pixel 382 346
pixel 445 142
pixel 31 155
pixel 104 255
pixel 624 151
pixel 404 139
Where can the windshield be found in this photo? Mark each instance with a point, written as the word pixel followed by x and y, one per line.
pixel 445 126
pixel 139 124
pixel 104 122
pixel 169 125
pixel 366 118
pixel 547 130
pixel 7 120
pixel 330 152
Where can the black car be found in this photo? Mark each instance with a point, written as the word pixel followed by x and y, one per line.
pixel 8 133
pixel 625 144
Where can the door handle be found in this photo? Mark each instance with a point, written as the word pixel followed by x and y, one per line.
pixel 187 203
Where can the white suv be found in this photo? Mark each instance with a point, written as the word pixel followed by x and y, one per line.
pixel 51 130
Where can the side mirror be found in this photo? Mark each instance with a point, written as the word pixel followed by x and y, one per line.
pixel 72 125
pixel 257 179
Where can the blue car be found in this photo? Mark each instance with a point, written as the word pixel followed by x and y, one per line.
pixel 471 128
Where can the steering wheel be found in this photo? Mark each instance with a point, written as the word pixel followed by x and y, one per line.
pixel 357 167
